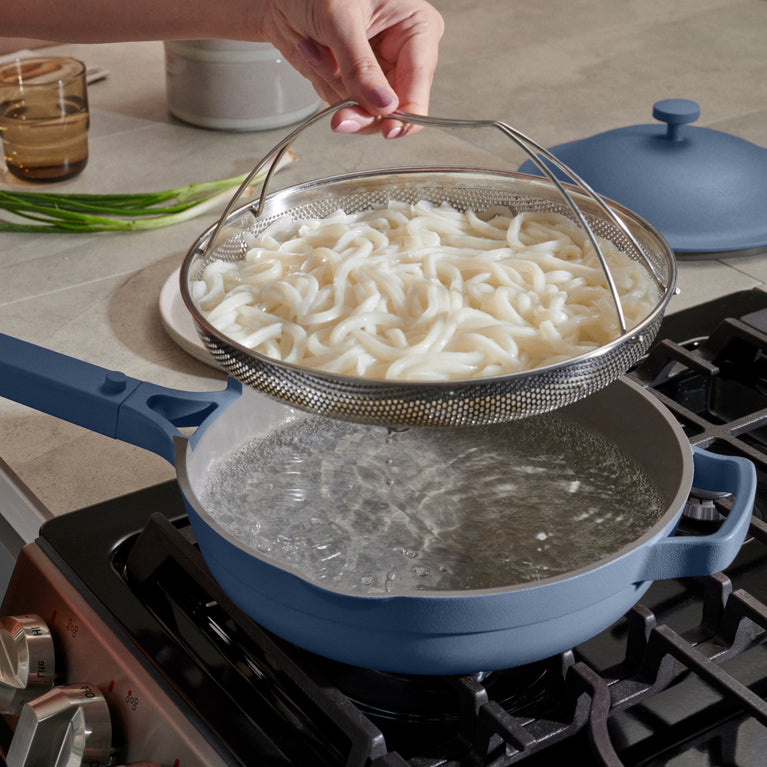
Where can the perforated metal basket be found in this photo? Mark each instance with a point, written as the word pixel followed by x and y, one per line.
pixel 449 403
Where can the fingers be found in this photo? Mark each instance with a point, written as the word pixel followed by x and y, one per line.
pixel 355 120
pixel 413 52
pixel 331 87
pixel 381 53
pixel 366 90
pixel 406 50
pixel 358 68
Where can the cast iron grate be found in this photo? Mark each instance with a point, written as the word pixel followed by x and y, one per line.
pixel 576 703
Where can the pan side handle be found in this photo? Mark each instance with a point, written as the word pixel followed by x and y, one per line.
pixel 152 415
pixel 687 556
pixel 105 401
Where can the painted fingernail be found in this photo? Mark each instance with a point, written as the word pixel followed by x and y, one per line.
pixel 347 126
pixel 311 52
pixel 381 98
pixel 396 131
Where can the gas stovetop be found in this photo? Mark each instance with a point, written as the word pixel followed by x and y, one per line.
pixel 677 681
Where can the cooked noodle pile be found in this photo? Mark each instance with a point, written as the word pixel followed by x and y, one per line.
pixel 423 292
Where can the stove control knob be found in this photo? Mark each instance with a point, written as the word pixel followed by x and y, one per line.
pixel 68 725
pixel 26 661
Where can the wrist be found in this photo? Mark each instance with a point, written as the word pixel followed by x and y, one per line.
pixel 252 22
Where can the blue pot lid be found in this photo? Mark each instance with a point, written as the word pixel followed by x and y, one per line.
pixel 704 190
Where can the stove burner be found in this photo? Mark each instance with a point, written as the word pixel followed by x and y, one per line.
pixel 425 714
pixel 701 505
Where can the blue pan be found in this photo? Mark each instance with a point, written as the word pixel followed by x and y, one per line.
pixel 426 632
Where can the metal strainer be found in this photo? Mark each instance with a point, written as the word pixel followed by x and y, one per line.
pixel 449 403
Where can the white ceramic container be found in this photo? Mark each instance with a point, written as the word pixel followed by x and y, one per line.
pixel 234 85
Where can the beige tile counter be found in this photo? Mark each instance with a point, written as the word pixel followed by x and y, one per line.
pixel 558 71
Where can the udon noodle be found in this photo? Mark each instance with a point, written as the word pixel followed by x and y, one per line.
pixel 423 292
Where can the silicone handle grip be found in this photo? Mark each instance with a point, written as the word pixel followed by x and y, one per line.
pixel 105 401
pixel 686 556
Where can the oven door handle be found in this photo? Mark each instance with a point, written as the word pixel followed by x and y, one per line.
pixel 106 401
pixel 677 556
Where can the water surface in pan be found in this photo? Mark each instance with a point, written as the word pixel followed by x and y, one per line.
pixel 375 511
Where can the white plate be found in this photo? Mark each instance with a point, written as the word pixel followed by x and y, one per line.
pixel 178 323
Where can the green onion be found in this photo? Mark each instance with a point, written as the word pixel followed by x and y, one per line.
pixel 85 213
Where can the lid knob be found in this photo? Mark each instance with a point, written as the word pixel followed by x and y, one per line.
pixel 675 113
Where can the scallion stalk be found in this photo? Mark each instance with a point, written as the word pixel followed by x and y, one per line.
pixel 86 213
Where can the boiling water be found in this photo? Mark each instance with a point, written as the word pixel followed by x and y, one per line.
pixel 373 511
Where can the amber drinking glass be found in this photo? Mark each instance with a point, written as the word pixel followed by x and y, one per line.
pixel 44 117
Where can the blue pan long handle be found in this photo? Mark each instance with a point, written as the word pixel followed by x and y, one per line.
pixel 105 401
pixel 686 556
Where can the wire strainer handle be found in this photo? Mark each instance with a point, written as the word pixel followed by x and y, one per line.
pixel 530 147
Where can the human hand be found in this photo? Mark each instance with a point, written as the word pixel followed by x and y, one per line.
pixel 381 53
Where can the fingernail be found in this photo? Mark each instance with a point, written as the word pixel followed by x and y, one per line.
pixel 310 51
pixel 347 126
pixel 381 97
pixel 396 131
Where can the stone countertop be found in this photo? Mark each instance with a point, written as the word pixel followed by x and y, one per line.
pixel 557 71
